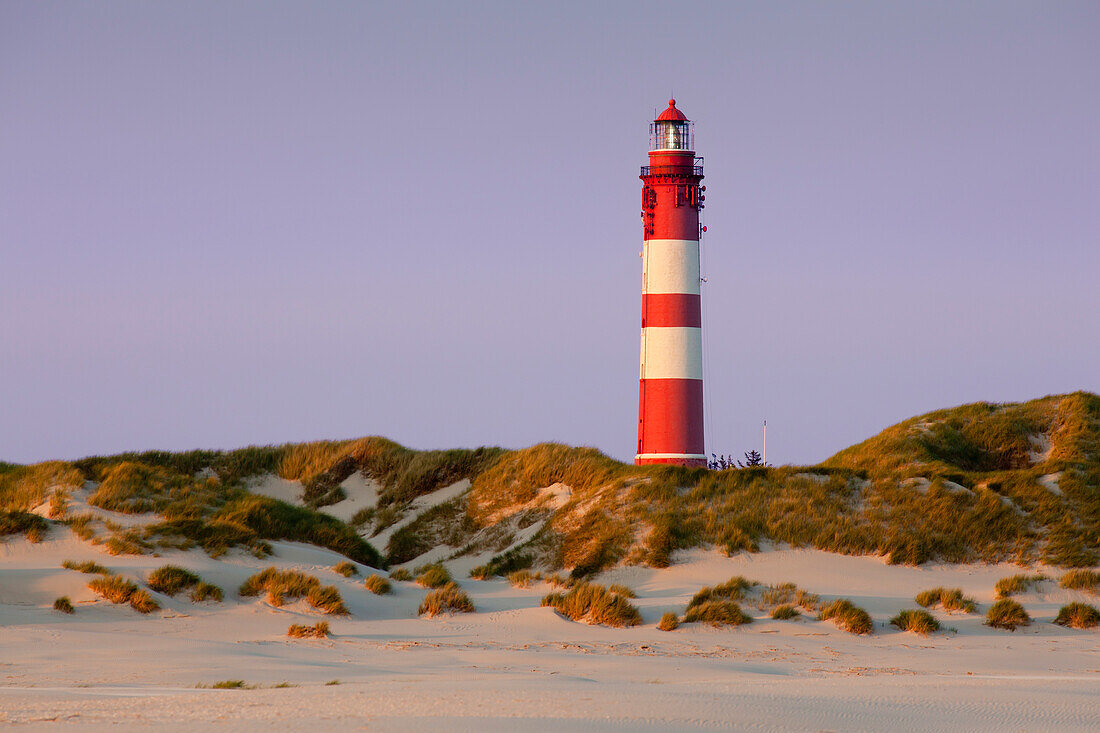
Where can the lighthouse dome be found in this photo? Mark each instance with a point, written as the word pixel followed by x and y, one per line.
pixel 671 114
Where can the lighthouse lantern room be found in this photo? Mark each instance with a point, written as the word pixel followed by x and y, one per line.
pixel 670 401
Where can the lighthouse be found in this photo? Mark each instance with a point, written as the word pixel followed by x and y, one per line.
pixel 670 394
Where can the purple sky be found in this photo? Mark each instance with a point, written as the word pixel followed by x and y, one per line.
pixel 235 223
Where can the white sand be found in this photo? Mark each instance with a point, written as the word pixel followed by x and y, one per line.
pixel 514 665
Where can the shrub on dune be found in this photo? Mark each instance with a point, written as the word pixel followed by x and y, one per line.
pixel 299 631
pixel 1086 580
pixel 377 584
pixel 171 579
pixel 401 574
pixel 594 604
pixel 327 598
pixel 433 576
pixel 345 568
pixel 63 604
pixel 447 599
pixel 481 572
pixel 88 566
pixel 119 590
pixel 785 612
pixel 719 612
pixel 1015 584
pixel 1007 614
pixel 733 589
pixel 669 622
pixel 949 599
pixel 1078 616
pixel 206 592
pixel 847 616
pixel 918 621
pixel 142 602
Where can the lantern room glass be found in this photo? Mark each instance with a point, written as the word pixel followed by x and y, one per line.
pixel 671 135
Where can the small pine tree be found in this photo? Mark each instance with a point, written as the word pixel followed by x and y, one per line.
pixel 752 458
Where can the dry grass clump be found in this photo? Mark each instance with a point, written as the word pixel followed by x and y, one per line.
pixel 918 621
pixel 669 622
pixel 1007 614
pixel 733 589
pixel 31 526
pixel 433 576
pixel 594 604
pixel 1086 580
pixel 171 579
pixel 59 504
pixel 119 590
pixel 1078 616
pixel 377 585
pixel 622 590
pixel 787 594
pixel 281 585
pixel 949 599
pixel 785 612
pixel 719 612
pixel 522 578
pixel 25 487
pixel 88 566
pixel 482 572
pixel 447 599
pixel 318 631
pixel 206 592
pixel 1015 584
pixel 345 568
pixel 560 581
pixel 401 574
pixel 847 616
pixel 63 604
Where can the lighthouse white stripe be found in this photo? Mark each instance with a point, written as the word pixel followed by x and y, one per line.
pixel 671 353
pixel 652 456
pixel 670 266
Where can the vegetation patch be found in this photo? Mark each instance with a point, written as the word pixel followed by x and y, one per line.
pixel 377 585
pixel 917 621
pixel 88 566
pixel 734 589
pixel 319 630
pixel 1016 584
pixel 119 590
pixel 447 599
pixel 847 616
pixel 522 578
pixel 594 604
pixel 281 585
pixel 669 622
pixel 171 579
pixel 504 563
pixel 433 576
pixel 24 487
pixel 63 604
pixel 949 599
pixel 788 594
pixel 1078 616
pixel 1086 580
pixel 345 568
pixel 204 591
pixel 785 612
pixel 31 526
pixel 720 612
pixel 1007 614
pixel 443 524
pixel 622 590
pixel 401 574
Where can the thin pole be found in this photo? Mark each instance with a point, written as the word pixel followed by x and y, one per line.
pixel 764 457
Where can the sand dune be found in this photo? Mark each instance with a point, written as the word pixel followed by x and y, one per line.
pixel 515 665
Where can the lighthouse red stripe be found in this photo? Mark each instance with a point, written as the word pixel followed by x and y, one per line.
pixel 671 309
pixel 673 416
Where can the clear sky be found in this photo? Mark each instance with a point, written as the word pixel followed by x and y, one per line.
pixel 231 223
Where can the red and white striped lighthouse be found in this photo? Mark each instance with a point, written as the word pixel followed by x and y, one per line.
pixel 670 401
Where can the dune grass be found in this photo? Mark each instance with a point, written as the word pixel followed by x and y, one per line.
pixel 622 590
pixel 788 594
pixel 916 620
pixel 204 591
pixel 448 598
pixel 718 612
pixel 669 622
pixel 87 566
pixel 401 574
pixel 119 590
pixel 785 612
pixel 283 585
pixel 377 585
pixel 346 569
pixel 594 604
pixel 59 504
pixel 522 578
pixel 24 487
pixel 1007 614
pixel 734 589
pixel 171 579
pixel 63 604
pixel 847 616
pixel 319 630
pixel 31 526
pixel 1086 580
pixel 1078 616
pixel 433 576
pixel 1016 584
pixel 949 599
